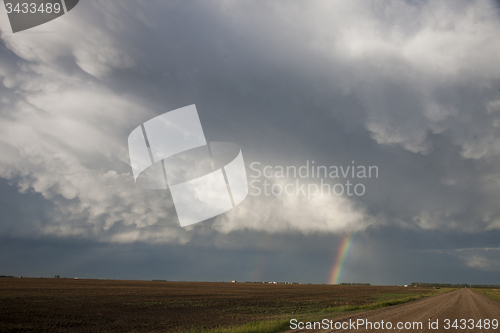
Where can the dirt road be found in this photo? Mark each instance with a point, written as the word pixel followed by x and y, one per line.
pixel 471 310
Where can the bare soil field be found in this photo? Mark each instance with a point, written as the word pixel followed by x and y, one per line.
pixel 68 305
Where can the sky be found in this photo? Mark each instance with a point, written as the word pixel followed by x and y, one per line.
pixel 411 88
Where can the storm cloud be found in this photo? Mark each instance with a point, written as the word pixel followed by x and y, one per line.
pixel 412 87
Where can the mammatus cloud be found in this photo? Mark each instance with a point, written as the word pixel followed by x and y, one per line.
pixel 406 60
pixel 62 137
pixel 96 50
pixel 65 144
pixel 413 67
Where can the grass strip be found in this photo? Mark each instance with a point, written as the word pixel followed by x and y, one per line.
pixel 494 294
pixel 282 323
pixel 382 304
pixel 267 326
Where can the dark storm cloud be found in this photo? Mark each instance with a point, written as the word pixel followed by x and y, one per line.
pixel 399 85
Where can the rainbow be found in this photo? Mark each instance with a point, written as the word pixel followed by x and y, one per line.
pixel 343 250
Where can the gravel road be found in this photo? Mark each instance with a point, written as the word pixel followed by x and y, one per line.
pixel 463 305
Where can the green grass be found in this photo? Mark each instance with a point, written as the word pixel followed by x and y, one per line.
pixel 389 296
pixel 268 326
pixel 384 303
pixel 282 323
pixel 491 293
